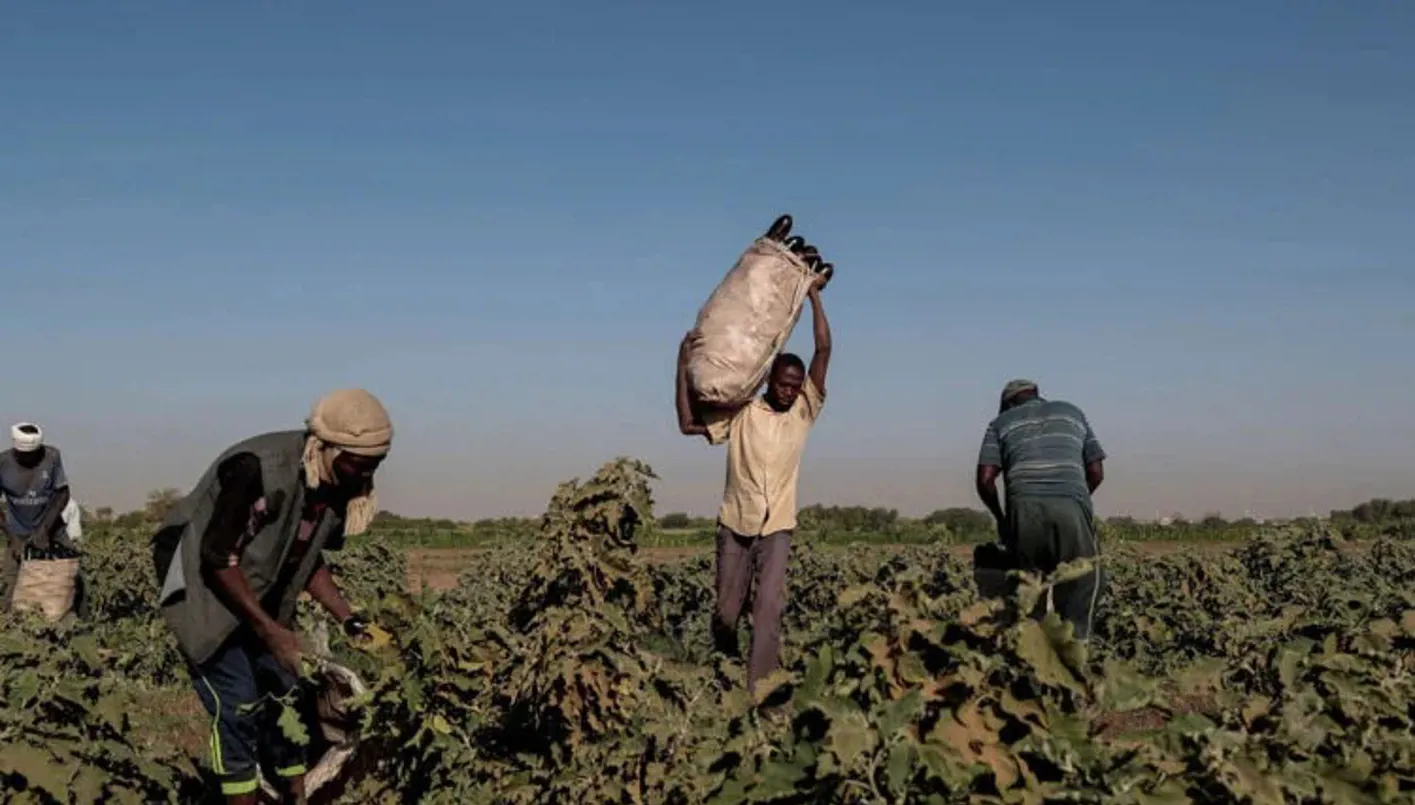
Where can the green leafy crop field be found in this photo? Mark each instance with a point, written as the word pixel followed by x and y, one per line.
pixel 572 667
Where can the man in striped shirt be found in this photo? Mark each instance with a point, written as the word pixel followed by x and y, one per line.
pixel 1051 462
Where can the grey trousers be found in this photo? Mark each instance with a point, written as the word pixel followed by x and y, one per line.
pixel 744 563
pixel 1043 533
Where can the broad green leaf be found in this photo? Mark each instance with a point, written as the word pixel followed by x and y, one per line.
pixel 900 766
pixel 38 766
pixel 776 779
pixel 292 726
pixel 1038 647
pixel 900 713
pixel 849 738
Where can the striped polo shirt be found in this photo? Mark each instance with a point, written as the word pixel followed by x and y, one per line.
pixel 1043 447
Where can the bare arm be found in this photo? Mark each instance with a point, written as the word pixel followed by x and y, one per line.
pixel 52 512
pixel 986 484
pixel 1094 457
pixel 49 519
pixel 322 588
pixel 820 359
pixel 231 586
pixel 241 487
pixel 989 467
pixel 1095 474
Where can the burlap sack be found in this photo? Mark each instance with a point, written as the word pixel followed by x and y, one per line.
pixel 746 322
pixel 46 585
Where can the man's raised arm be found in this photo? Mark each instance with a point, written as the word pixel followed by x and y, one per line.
pixel 820 326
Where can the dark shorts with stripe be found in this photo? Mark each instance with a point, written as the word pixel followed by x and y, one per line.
pixel 241 686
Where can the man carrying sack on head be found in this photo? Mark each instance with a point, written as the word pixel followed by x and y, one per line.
pixel 234 556
pixel 765 439
pixel 36 492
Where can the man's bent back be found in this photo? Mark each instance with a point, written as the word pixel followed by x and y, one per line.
pixel 1043 447
pixel 1052 462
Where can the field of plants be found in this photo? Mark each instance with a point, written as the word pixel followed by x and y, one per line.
pixel 567 668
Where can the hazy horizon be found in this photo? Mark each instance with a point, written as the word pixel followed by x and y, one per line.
pixel 1193 222
pixel 698 497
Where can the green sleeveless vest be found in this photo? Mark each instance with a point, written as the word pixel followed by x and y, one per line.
pixel 194 612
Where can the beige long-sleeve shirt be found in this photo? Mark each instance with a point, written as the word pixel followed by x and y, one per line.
pixel 764 461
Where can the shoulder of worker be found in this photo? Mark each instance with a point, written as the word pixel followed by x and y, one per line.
pixel 1014 414
pixel 1021 413
pixel 239 470
pixel 276 440
pixel 1063 407
pixel 10 467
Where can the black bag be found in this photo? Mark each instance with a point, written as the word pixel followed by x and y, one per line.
pixel 992 556
pixel 991 561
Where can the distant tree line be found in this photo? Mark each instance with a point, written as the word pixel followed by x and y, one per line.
pixel 964 524
pixel 1377 511
pixel 831 523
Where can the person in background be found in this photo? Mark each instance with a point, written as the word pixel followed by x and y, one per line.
pixel 1052 463
pixel 234 555
pixel 36 493
pixel 765 438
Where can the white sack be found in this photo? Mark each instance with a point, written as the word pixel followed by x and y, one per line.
pixel 337 686
pixel 73 521
pixel 746 322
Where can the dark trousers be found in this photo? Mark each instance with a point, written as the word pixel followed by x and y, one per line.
pixel 744 563
pixel 1043 533
pixel 14 551
pixel 238 687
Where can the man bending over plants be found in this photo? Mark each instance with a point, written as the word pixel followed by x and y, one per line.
pixel 35 490
pixel 1052 462
pixel 233 557
pixel 765 438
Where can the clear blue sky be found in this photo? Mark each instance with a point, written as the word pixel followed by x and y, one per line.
pixel 1192 219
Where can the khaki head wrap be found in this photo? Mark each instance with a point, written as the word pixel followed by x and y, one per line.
pixel 347 421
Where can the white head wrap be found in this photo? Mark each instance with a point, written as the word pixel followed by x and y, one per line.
pixel 27 436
